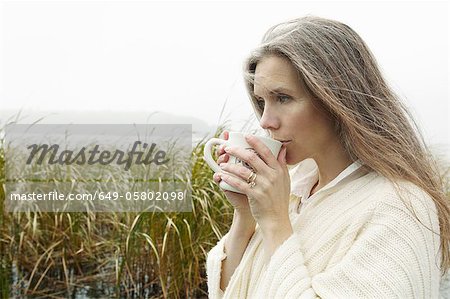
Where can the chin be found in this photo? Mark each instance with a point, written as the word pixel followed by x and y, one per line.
pixel 294 160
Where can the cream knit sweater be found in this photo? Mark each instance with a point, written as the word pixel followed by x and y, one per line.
pixel 354 238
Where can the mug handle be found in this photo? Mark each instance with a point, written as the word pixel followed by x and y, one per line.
pixel 207 153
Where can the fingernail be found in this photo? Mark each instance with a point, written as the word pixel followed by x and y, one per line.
pixel 226 149
pixel 222 165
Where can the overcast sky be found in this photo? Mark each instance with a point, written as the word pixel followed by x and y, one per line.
pixel 186 57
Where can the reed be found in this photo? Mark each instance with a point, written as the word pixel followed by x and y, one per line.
pixel 115 254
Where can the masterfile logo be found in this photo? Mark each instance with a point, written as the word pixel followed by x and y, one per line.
pixel 91 157
pixel 98 167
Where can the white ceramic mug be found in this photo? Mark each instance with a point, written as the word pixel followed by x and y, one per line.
pixel 236 139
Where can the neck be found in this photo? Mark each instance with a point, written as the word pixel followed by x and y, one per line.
pixel 330 163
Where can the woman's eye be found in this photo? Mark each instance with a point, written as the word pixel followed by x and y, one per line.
pixel 283 98
pixel 280 98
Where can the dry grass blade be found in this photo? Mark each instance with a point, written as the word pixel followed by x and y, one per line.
pixel 131 233
pixel 42 276
pixel 149 240
pixel 66 272
pixel 46 253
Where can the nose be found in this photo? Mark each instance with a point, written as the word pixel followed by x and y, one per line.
pixel 269 119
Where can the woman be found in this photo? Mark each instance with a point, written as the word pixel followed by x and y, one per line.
pixel 363 213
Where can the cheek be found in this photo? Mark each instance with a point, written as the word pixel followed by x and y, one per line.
pixel 311 134
pixel 313 126
pixel 305 128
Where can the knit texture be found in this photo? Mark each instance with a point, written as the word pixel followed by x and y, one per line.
pixel 356 240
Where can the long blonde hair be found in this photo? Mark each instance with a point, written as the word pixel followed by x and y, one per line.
pixel 374 126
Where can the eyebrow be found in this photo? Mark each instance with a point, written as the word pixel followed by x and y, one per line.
pixel 278 90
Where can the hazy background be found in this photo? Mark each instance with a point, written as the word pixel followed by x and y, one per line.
pixel 180 62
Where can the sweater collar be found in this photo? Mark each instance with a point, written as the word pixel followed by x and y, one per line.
pixel 305 174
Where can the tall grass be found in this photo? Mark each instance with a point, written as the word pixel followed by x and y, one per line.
pixel 136 255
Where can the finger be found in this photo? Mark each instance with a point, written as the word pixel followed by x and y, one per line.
pixel 220 150
pixel 235 182
pixel 248 158
pixel 216 178
pixel 282 156
pixel 223 158
pixel 237 170
pixel 263 151
pixel 220 160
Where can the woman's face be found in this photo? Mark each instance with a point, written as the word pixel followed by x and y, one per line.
pixel 288 111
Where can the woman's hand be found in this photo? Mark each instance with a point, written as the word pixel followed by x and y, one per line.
pixel 239 201
pixel 269 198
